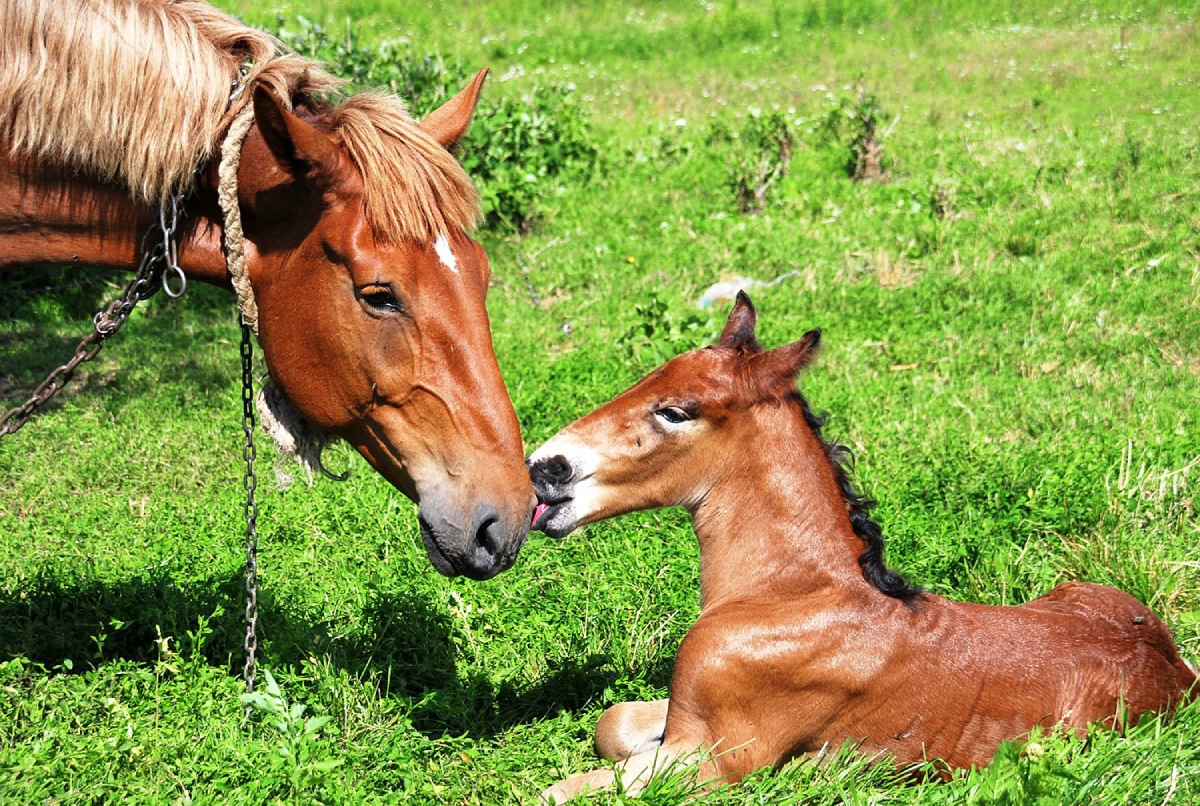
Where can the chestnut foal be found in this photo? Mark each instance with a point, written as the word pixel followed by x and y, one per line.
pixel 805 639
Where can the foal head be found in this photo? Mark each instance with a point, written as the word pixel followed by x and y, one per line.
pixel 668 439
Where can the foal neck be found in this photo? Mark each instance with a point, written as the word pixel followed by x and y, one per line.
pixel 777 522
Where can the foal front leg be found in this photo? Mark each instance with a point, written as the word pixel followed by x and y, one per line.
pixel 633 774
pixel 630 728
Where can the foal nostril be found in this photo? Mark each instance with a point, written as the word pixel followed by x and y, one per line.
pixel 551 471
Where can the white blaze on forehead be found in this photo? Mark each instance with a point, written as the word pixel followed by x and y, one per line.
pixel 444 253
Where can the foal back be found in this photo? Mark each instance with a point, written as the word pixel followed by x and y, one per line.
pixel 1123 659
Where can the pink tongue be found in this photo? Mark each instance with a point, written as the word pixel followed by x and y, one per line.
pixel 538 511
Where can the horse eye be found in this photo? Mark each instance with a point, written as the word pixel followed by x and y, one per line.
pixel 673 415
pixel 381 299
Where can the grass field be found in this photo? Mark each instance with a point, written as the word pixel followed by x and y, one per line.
pixel 1011 348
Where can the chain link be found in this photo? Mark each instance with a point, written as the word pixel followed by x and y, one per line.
pixel 249 482
pixel 159 268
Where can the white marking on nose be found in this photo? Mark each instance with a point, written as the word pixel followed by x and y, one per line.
pixel 442 247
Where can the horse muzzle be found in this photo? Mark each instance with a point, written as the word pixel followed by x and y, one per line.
pixel 477 544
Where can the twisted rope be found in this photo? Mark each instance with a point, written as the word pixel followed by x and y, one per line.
pixel 294 435
pixel 235 263
pixel 227 196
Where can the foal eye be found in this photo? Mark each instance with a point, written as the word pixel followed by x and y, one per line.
pixel 380 299
pixel 673 415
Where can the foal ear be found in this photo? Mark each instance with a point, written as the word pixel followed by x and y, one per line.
pixel 448 123
pixel 300 147
pixel 783 364
pixel 739 327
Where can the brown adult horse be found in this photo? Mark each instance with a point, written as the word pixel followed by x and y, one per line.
pixel 370 291
pixel 805 639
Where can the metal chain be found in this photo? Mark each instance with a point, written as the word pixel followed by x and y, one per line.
pixel 159 268
pixel 250 481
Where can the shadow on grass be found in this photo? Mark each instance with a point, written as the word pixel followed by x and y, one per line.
pixel 67 625
pixel 62 624
pixel 405 643
pixel 31 345
pixel 410 644
pixel 26 357
pixel 476 707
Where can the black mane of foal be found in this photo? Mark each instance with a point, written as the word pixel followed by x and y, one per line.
pixel 874 569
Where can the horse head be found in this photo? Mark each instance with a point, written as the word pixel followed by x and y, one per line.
pixel 372 318
pixel 665 440
pixel 369 289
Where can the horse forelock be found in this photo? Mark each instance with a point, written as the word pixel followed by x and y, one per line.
pixel 414 189
pixel 137 94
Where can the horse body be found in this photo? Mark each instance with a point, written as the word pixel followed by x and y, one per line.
pixel 805 639
pixel 370 290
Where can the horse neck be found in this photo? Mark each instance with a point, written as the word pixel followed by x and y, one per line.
pixel 776 520
pixel 53 217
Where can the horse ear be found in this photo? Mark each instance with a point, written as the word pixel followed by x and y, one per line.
pixel 448 123
pixel 783 364
pixel 739 327
pixel 300 147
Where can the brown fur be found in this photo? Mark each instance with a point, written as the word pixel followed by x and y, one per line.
pixel 801 643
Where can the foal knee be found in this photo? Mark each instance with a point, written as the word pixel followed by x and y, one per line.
pixel 629 728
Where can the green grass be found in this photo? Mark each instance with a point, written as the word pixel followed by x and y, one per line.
pixel 1018 379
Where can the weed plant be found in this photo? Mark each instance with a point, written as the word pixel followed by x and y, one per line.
pixel 518 149
pixel 1010 348
pixel 760 155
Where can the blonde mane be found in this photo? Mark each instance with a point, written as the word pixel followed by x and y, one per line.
pixel 136 92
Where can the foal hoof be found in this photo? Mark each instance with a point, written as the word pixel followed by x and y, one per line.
pixel 553 796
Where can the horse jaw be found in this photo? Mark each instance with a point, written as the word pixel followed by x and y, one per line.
pixel 292 433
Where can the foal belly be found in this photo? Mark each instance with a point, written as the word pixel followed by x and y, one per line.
pixel 954 740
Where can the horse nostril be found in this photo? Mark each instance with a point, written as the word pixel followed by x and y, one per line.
pixel 485 535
